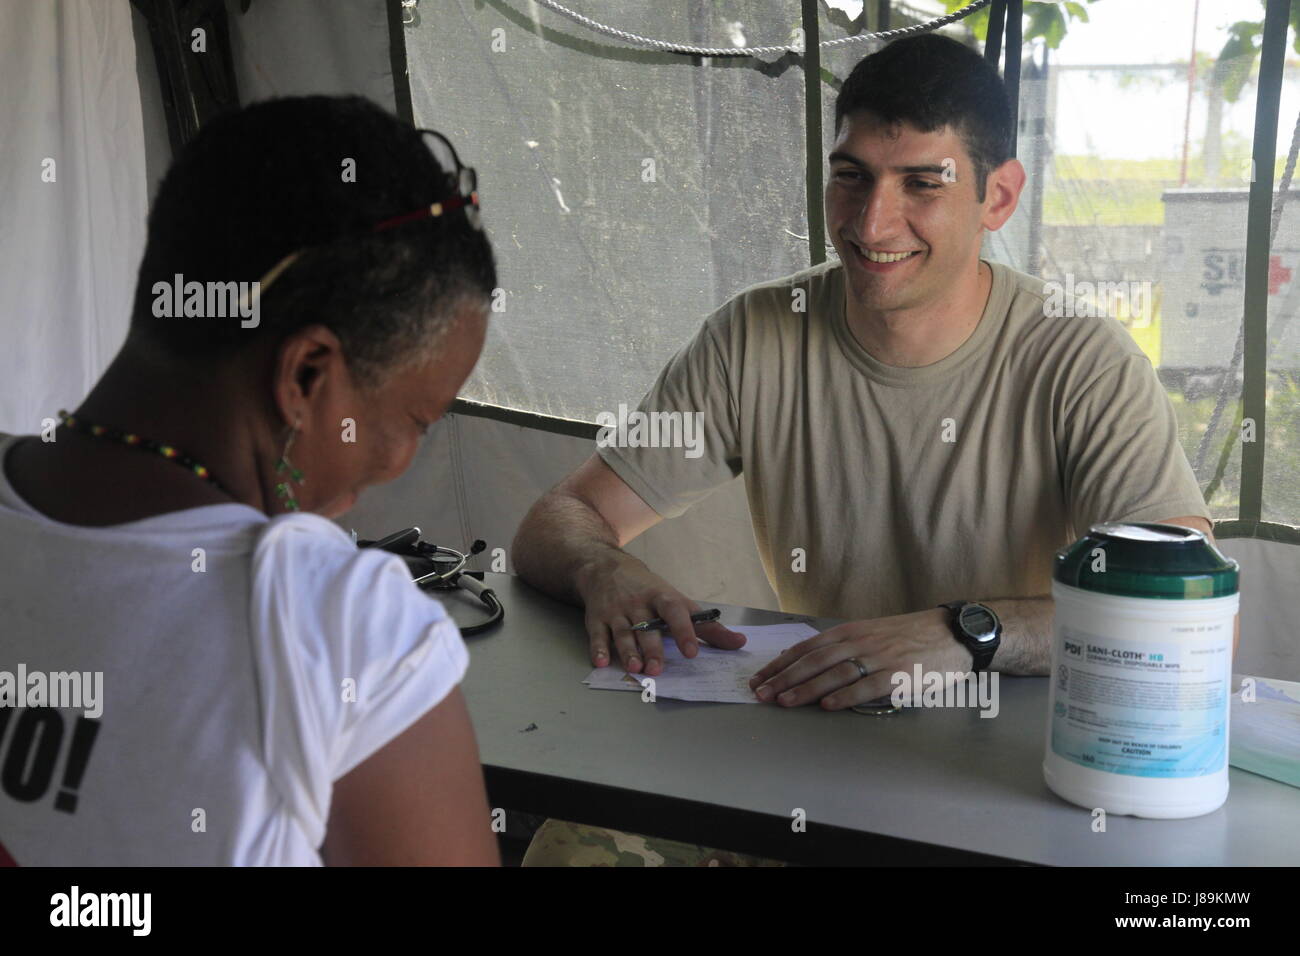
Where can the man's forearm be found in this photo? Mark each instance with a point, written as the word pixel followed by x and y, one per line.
pixel 561 544
pixel 1026 646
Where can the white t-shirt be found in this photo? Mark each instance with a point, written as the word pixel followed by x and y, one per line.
pixel 232 697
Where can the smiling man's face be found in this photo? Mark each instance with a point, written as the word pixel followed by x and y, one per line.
pixel 901 211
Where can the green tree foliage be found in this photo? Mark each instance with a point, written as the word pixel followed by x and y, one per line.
pixel 1047 20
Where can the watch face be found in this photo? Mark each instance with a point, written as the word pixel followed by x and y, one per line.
pixel 977 622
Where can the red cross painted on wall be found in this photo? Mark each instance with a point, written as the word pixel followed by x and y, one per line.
pixel 1277 276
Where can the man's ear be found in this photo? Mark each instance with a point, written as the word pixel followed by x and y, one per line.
pixel 1002 194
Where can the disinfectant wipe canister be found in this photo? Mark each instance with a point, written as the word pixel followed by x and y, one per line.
pixel 1141 671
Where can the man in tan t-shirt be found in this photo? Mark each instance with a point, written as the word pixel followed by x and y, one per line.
pixel 915 425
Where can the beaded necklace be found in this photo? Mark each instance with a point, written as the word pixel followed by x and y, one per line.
pixel 132 440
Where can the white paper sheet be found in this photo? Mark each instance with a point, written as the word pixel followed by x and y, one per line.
pixel 713 675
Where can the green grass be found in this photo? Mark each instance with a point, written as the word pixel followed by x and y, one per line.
pixel 1087 190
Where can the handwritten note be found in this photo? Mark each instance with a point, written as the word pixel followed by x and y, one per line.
pixel 713 675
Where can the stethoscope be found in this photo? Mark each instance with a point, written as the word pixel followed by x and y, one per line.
pixel 434 567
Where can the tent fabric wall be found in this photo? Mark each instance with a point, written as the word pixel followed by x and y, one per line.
pixel 476 478
pixel 69 249
pixel 1270 636
pixel 299 47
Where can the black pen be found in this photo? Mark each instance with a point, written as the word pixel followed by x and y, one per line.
pixel 659 624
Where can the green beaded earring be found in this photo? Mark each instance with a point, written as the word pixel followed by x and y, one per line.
pixel 295 476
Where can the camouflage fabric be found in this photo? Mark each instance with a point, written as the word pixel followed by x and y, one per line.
pixel 560 843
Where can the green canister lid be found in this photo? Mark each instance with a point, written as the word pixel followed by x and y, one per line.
pixel 1147 560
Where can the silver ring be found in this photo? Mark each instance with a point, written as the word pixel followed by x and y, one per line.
pixel 874 708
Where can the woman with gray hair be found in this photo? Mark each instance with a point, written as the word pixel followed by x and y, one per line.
pixel 312 296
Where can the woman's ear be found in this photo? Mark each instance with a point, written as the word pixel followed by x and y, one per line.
pixel 307 362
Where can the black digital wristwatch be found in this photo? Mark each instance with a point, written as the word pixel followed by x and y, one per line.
pixel 976 628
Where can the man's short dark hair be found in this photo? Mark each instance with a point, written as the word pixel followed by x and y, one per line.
pixel 259 183
pixel 931 81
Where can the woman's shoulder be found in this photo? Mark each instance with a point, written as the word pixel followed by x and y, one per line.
pixel 349 650
pixel 356 606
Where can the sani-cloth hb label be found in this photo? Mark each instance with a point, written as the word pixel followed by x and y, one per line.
pixel 1155 707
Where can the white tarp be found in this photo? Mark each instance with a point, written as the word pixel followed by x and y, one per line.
pixel 72 199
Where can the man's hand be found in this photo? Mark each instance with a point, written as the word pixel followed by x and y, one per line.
pixel 623 592
pixel 821 668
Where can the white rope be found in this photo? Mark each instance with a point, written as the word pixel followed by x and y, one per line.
pixel 667 47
